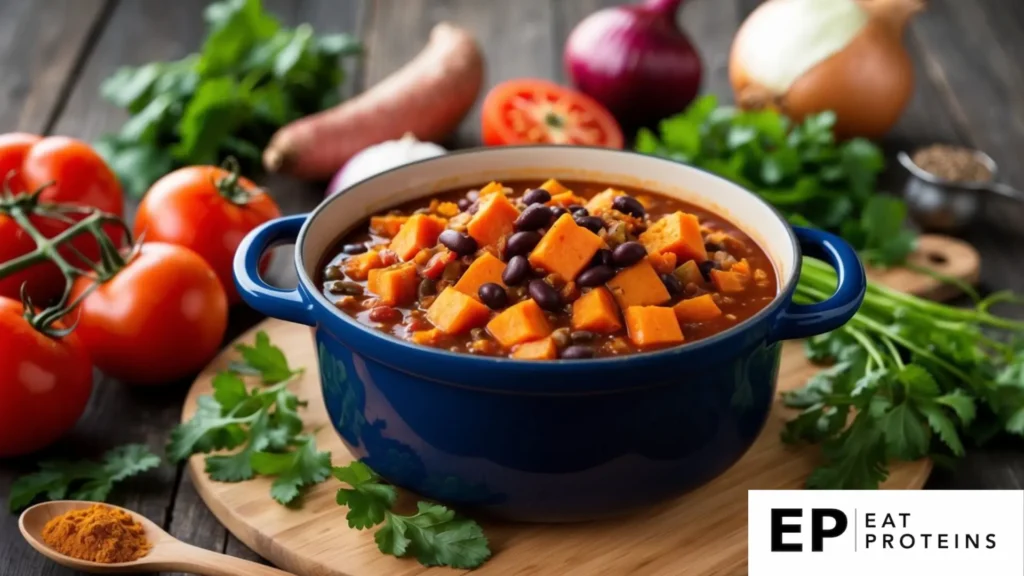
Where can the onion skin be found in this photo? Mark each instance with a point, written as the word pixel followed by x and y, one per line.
pixel 867 84
pixel 636 61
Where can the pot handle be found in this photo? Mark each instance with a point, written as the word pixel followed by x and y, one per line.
pixel 804 320
pixel 276 302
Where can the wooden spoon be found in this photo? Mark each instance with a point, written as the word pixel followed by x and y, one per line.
pixel 168 553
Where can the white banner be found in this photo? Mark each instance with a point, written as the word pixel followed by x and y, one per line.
pixel 881 532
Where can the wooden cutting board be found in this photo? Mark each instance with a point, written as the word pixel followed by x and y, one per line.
pixel 702 533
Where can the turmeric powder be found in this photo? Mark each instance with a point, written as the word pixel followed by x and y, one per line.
pixel 98 534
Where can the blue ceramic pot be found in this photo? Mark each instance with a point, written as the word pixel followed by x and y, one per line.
pixel 559 440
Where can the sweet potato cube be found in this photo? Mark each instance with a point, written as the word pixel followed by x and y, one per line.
pixel 678 233
pixel 455 313
pixel 663 263
pixel 543 349
pixel 638 285
pixel 554 187
pixel 729 282
pixel 699 309
pixel 395 285
pixel 653 326
pixel 520 323
pixel 741 267
pixel 492 187
pixel 566 249
pixel 566 199
pixel 427 337
pixel 486 268
pixel 602 202
pixel 388 225
pixel 495 218
pixel 358 267
pixel 596 311
pixel 419 231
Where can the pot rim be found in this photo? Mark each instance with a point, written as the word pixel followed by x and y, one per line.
pixel 484 362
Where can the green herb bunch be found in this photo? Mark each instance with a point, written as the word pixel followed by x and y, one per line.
pixel 800 169
pixel 434 535
pixel 263 422
pixel 909 378
pixel 251 77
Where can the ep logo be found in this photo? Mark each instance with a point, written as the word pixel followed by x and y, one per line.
pixel 824 523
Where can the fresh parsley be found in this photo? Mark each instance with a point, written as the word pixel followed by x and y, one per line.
pixel 434 535
pixel 261 424
pixel 251 76
pixel 82 479
pixel 800 169
pixel 918 378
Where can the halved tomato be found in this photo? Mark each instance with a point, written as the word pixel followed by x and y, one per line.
pixel 530 111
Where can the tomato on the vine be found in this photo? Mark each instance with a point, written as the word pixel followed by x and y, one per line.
pixel 207 209
pixel 72 173
pixel 160 318
pixel 45 382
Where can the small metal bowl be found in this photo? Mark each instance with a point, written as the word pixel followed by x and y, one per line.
pixel 944 205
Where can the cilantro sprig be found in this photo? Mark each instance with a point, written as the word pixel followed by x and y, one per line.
pixel 261 424
pixel 800 169
pixel 434 535
pixel 81 479
pixel 918 378
pixel 251 76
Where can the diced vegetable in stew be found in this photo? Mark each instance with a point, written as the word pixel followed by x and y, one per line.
pixel 549 270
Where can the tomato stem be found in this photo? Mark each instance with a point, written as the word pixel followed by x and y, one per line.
pixel 228 186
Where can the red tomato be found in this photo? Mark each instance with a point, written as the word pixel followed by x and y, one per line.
pixel 205 209
pixel 79 176
pixel 44 383
pixel 159 319
pixel 528 111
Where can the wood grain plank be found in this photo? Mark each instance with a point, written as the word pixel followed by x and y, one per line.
pixel 515 36
pixel 40 47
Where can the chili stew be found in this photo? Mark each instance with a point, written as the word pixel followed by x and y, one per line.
pixel 549 270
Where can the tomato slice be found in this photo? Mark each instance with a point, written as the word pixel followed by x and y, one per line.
pixel 530 111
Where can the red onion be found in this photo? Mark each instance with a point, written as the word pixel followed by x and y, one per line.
pixel 636 61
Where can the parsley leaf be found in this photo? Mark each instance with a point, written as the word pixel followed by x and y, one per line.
pixel 251 76
pixel 434 535
pixel 81 480
pixel 303 466
pixel 263 421
pixel 800 169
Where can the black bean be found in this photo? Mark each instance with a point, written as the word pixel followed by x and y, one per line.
pixel 577 210
pixel 493 295
pixel 672 284
pixel 333 272
pixel 602 258
pixel 427 287
pixel 534 217
pixel 705 268
pixel 545 296
pixel 473 207
pixel 354 248
pixel 592 223
pixel 577 352
pixel 348 288
pixel 629 205
pixel 628 253
pixel 536 196
pixel 561 337
pixel 556 212
pixel 595 276
pixel 712 247
pixel 582 336
pixel 520 243
pixel 458 242
pixel 516 271
pixel 464 204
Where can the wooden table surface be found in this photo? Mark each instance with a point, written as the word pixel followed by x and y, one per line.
pixel 55 53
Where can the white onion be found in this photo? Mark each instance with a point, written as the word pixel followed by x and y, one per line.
pixel 380 158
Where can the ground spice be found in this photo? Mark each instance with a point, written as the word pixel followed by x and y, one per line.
pixel 98 534
pixel 952 163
